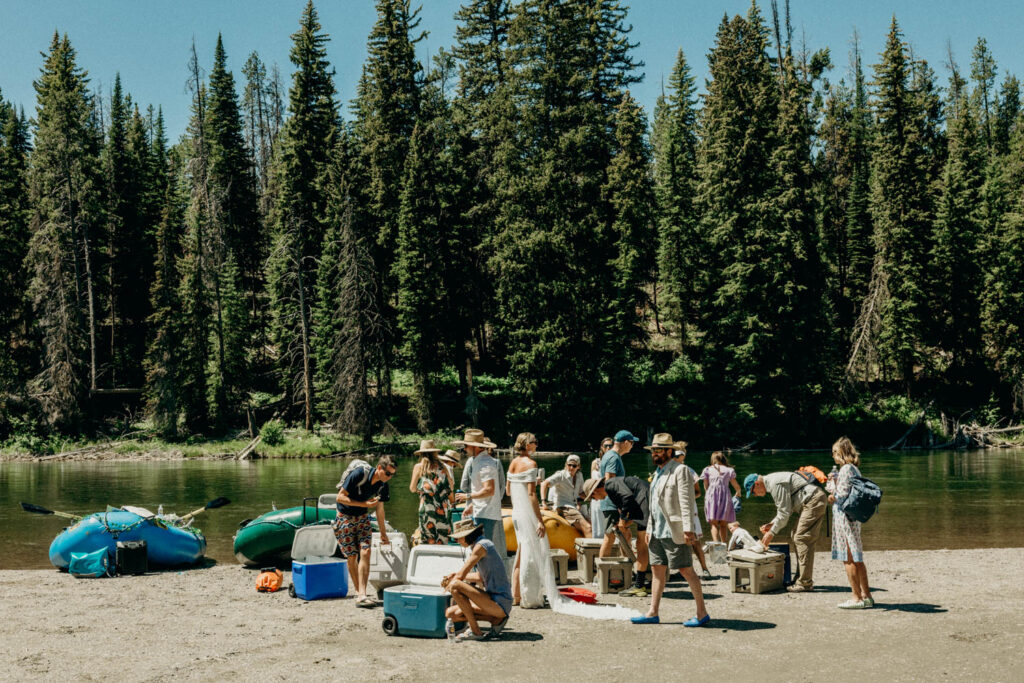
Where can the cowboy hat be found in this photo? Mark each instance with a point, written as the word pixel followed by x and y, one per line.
pixel 475 437
pixel 463 528
pixel 662 440
pixel 426 446
pixel 589 486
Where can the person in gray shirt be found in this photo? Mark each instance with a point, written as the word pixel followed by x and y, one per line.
pixel 792 493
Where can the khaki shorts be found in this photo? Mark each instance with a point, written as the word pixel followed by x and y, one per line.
pixel 666 552
pixel 570 514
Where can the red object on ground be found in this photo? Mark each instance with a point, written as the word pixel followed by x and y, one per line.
pixel 579 594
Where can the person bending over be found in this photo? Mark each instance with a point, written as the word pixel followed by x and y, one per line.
pixel 363 489
pixel 628 495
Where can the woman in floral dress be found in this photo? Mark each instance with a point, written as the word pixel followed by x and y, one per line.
pixel 846 540
pixel 432 481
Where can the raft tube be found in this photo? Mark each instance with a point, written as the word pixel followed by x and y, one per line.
pixel 166 545
pixel 560 533
pixel 268 539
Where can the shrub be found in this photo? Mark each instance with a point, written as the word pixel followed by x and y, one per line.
pixel 272 433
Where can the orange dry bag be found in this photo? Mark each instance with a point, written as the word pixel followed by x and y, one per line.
pixel 814 472
pixel 269 580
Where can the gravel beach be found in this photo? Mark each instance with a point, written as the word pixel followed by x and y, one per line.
pixel 940 614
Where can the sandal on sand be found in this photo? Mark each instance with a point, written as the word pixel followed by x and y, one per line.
pixel 468 635
pixel 366 602
pixel 498 626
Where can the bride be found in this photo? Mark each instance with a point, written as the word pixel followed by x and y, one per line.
pixel 527 576
pixel 533 578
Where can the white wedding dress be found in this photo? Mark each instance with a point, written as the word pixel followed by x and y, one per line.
pixel 536 575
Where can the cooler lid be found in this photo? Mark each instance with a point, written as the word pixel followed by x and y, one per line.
pixel 316 540
pixel 416 590
pixel 755 558
pixel 428 564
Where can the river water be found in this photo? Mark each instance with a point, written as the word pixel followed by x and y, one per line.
pixel 937 499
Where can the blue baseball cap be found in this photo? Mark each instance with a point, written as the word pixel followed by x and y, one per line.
pixel 624 435
pixel 748 483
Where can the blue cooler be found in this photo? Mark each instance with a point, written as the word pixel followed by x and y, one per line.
pixel 316 573
pixel 415 611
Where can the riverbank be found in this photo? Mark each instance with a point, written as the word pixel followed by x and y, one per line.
pixel 951 615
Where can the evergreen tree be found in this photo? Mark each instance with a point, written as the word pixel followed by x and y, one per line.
pixel 956 254
pixel 630 193
pixel 229 342
pixel 890 335
pixel 64 191
pixel 232 177
pixel 1007 115
pixel 675 165
pixel 984 97
pixel 164 358
pixel 308 138
pixel 14 239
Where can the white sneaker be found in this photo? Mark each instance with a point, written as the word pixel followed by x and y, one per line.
pixel 852 604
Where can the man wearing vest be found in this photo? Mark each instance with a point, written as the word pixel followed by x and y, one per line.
pixel 791 493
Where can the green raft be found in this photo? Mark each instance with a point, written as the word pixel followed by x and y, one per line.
pixel 267 539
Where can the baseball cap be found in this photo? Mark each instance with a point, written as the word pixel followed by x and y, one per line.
pixel 748 483
pixel 624 435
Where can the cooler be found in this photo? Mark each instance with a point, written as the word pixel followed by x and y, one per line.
pixel 754 573
pixel 428 564
pixel 316 573
pixel 787 573
pixel 415 611
pixel 388 563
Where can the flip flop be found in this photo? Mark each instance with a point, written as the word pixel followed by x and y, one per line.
pixel 366 602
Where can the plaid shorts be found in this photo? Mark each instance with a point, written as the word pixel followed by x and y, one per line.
pixel 353 534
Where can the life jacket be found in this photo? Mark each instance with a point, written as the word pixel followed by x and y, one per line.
pixel 810 473
pixel 269 580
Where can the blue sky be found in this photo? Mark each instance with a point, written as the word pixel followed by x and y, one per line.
pixel 148 41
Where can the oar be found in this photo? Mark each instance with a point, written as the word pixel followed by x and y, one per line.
pixel 215 503
pixel 39 510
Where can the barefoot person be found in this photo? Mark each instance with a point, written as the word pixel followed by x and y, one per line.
pixel 846 540
pixel 792 493
pixel 481 595
pixel 671 530
pixel 566 486
pixel 363 489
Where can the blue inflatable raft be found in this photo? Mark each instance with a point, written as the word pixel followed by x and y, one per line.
pixel 167 545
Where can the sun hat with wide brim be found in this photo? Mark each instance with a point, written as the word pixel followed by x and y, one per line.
pixel 426 446
pixel 463 528
pixel 589 486
pixel 475 437
pixel 451 457
pixel 663 440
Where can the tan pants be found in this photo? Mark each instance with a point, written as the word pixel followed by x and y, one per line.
pixel 808 531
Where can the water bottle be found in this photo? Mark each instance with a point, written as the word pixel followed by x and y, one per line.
pixel 834 473
pixel 160 510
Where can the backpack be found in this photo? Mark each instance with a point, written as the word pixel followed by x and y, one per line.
pixel 92 565
pixel 269 580
pixel 367 472
pixel 863 500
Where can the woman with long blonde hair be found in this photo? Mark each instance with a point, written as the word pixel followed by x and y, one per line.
pixel 436 487
pixel 521 486
pixel 846 539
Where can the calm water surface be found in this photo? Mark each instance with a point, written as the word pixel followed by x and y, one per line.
pixel 932 499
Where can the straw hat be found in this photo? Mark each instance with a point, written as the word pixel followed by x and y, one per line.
pixel 463 528
pixel 475 437
pixel 589 486
pixel 663 440
pixel 426 446
pixel 451 457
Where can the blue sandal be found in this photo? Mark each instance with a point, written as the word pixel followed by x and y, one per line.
pixel 645 620
pixel 697 622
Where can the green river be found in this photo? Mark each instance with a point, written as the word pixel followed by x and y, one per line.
pixel 937 499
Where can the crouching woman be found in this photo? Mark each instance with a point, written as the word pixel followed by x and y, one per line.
pixel 480 590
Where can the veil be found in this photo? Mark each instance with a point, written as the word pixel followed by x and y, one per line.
pixel 536 576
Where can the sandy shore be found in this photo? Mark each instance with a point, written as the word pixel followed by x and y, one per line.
pixel 950 615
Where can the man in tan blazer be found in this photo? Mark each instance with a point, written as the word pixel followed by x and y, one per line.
pixel 670 529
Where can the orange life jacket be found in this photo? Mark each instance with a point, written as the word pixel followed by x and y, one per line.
pixel 269 580
pixel 815 472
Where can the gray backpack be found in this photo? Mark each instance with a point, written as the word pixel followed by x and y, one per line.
pixel 367 472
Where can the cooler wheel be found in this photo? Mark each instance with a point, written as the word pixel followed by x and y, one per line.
pixel 390 625
pixel 291 590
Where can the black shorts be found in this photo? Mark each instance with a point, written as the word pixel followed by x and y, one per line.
pixel 612 517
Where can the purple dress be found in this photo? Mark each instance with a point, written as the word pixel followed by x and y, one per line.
pixel 718 501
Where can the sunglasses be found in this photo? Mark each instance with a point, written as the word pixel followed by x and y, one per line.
pixel 573 465
pixel 390 473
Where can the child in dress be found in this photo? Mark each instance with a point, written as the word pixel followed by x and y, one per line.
pixel 846 538
pixel 740 537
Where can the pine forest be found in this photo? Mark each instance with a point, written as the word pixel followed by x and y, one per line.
pixel 806 245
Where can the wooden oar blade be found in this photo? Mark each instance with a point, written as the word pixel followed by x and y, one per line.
pixel 37 509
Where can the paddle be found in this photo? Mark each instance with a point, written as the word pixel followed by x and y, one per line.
pixel 215 503
pixel 39 510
